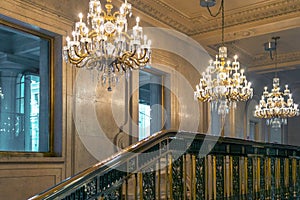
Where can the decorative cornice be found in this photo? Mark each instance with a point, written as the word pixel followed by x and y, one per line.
pixel 269 11
pixel 148 8
pixel 264 59
pixel 164 13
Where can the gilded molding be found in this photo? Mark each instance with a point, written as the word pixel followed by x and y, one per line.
pixel 160 15
pixel 159 10
pixel 269 11
pixel 264 59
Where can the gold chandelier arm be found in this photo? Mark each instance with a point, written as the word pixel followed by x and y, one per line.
pixel 145 61
pixel 115 15
pixel 133 60
pixel 76 62
pixel 144 55
pixel 80 55
pixel 129 65
pixel 204 98
pixel 73 59
pixel 126 55
pixel 93 34
pixel 104 14
pixel 87 48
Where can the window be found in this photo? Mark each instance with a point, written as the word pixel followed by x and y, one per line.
pixel 151 108
pixel 254 130
pixel 25 74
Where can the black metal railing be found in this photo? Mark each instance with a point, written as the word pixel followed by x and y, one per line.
pixel 184 165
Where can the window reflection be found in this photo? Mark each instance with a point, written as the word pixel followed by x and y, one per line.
pixel 24 81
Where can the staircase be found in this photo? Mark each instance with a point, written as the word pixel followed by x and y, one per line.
pixel 183 165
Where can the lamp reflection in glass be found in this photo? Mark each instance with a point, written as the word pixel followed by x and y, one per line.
pixel 105 44
pixel 1 94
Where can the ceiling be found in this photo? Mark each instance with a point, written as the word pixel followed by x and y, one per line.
pixel 248 25
pixel 19 51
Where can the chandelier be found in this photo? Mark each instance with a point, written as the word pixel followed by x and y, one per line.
pixel 276 106
pixel 104 43
pixel 224 82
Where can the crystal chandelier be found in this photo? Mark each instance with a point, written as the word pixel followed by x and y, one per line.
pixel 276 106
pixel 105 44
pixel 224 82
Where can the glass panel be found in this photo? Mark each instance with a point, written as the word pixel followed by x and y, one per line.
pixel 144 120
pixel 34 111
pixel 24 80
pixel 150 100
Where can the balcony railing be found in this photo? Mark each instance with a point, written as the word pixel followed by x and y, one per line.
pixel 183 165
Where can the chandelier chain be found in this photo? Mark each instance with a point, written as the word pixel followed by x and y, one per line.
pixel 223 22
pixel 222 12
pixel 219 10
pixel 275 58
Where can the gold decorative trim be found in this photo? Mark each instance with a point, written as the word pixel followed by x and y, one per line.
pixel 158 9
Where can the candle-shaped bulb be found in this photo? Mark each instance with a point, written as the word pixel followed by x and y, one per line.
pixel 137 21
pixel 80 16
pixel 235 57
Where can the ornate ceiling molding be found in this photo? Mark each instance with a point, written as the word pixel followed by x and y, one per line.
pixel 180 22
pixel 264 59
pixel 263 64
pixel 276 9
pixel 163 13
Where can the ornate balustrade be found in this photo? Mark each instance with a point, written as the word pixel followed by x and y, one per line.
pixel 183 165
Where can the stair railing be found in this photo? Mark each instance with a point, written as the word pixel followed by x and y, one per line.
pixel 183 165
